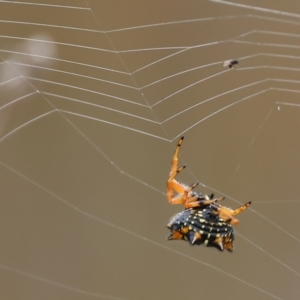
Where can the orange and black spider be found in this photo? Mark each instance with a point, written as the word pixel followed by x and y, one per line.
pixel 204 220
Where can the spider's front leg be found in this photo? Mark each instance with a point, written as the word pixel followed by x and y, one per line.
pixel 183 191
pixel 174 171
pixel 185 195
pixel 172 183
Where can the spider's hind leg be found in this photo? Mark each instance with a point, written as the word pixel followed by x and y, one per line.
pixel 227 213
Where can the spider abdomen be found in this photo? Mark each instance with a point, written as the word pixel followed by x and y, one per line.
pixel 202 226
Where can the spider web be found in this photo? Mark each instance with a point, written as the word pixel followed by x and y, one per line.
pixel 94 96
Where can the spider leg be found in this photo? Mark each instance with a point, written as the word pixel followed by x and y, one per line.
pixel 172 183
pixel 174 170
pixel 241 208
pixel 236 211
pixel 196 202
pixel 184 193
pixel 227 214
pixel 190 200
pixel 177 186
pixel 224 213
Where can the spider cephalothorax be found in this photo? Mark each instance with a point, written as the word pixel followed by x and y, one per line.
pixel 204 220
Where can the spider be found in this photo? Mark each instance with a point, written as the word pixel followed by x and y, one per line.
pixel 204 220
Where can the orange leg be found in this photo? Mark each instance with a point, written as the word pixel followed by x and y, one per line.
pixel 172 184
pixel 241 208
pixel 184 192
pixel 227 213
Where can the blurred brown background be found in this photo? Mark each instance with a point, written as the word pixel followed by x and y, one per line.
pixel 94 96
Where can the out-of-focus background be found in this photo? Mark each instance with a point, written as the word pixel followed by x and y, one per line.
pixel 94 96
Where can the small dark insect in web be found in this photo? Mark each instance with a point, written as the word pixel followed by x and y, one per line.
pixel 230 63
pixel 204 220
